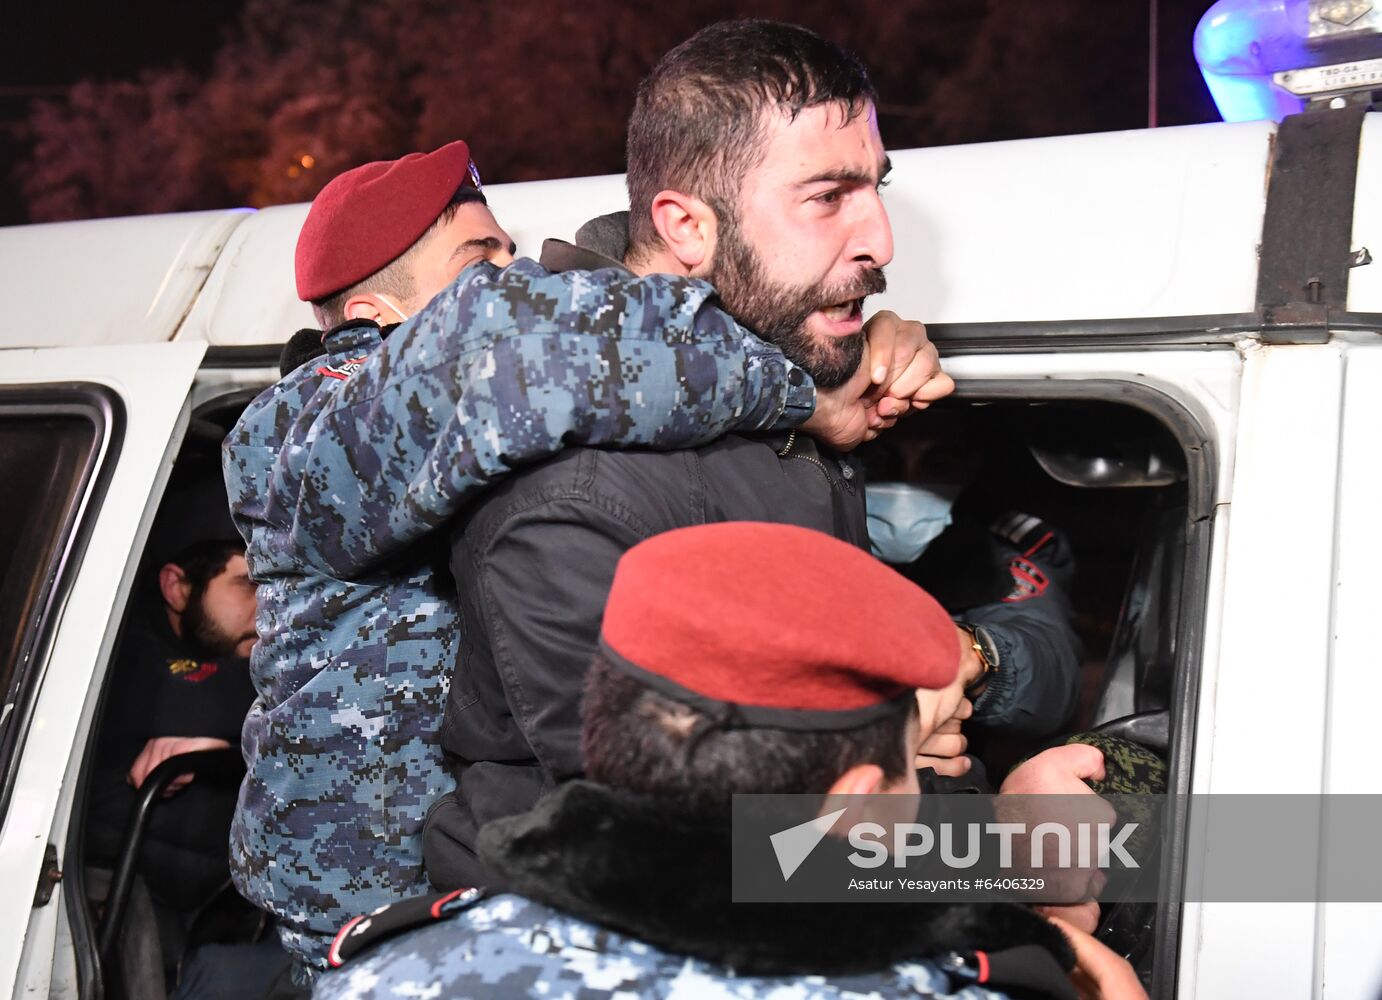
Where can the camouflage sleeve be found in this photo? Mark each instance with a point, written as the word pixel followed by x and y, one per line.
pixel 508 367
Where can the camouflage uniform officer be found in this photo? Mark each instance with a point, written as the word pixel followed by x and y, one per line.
pixel 621 881
pixel 378 435
pixel 335 473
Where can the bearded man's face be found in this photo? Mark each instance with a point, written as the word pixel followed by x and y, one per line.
pixel 808 238
pixel 219 616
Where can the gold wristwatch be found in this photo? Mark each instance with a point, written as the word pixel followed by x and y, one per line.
pixel 987 650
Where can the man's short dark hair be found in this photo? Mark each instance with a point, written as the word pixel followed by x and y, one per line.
pixel 202 562
pixel 635 738
pixel 394 278
pixel 698 119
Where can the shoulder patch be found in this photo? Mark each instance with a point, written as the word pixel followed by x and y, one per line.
pixel 366 931
pixel 343 370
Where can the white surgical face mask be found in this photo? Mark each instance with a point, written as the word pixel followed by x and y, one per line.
pixel 905 519
pixel 402 316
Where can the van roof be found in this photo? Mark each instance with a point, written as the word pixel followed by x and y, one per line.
pixel 1163 222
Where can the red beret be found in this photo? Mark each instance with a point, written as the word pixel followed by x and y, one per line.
pixel 793 628
pixel 367 217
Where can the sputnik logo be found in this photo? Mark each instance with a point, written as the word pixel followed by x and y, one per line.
pixel 795 844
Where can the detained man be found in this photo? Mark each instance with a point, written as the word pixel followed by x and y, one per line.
pixel 755 163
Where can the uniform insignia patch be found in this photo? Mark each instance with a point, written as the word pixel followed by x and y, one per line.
pixel 202 673
pixel 368 930
pixel 342 371
pixel 191 670
pixel 1028 580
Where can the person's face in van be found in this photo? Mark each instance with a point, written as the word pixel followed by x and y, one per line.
pixel 218 617
pixel 470 236
pixel 809 238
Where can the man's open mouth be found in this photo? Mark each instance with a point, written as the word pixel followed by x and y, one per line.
pixel 843 312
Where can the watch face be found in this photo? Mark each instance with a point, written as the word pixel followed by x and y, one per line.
pixel 988 649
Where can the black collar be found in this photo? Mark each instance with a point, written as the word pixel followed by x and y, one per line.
pixel 650 868
pixel 558 256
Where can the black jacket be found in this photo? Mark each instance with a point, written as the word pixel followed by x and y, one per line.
pixel 534 561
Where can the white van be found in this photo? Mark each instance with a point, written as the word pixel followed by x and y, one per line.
pixel 1168 342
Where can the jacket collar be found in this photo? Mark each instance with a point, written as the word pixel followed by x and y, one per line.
pixel 657 871
pixel 354 334
pixel 558 256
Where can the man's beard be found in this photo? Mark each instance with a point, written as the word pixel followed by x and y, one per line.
pixel 206 637
pixel 778 313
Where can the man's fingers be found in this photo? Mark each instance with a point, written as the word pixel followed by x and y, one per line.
pixel 882 332
pixel 1099 971
pixel 1086 761
pixel 944 745
pixel 964 710
pixel 914 372
pixel 938 386
pixel 951 767
pixel 1084 915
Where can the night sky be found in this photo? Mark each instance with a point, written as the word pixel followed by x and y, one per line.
pixel 56 43
pixel 64 42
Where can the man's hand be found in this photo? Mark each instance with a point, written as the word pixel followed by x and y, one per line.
pixel 842 416
pixel 160 748
pixel 944 750
pixel 901 372
pixel 1100 973
pixel 1025 798
pixel 1058 771
pixel 904 369
pixel 1084 916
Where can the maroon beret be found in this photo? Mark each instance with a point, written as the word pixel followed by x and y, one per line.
pixel 775 626
pixel 367 217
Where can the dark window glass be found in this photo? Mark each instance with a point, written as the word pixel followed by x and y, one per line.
pixel 50 444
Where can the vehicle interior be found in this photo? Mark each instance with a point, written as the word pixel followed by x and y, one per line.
pixel 141 930
pixel 1126 487
pixel 1122 477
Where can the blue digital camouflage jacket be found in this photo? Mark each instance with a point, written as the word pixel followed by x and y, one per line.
pixel 511 947
pixel 336 476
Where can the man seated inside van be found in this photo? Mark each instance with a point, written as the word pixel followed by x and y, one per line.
pixel 180 683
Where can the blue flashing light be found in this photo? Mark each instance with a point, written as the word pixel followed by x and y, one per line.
pixel 1239 44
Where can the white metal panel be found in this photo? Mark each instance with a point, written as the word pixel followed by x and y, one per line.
pixel 251 297
pixel 109 281
pixel 537 210
pixel 1365 283
pixel 1262 714
pixel 1163 222
pixel 1153 223
pixel 1270 671
pixel 153 381
pixel 1351 939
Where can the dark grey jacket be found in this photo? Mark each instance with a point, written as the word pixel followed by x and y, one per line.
pixel 535 559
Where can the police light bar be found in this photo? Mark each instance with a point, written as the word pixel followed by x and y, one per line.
pixel 1271 58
